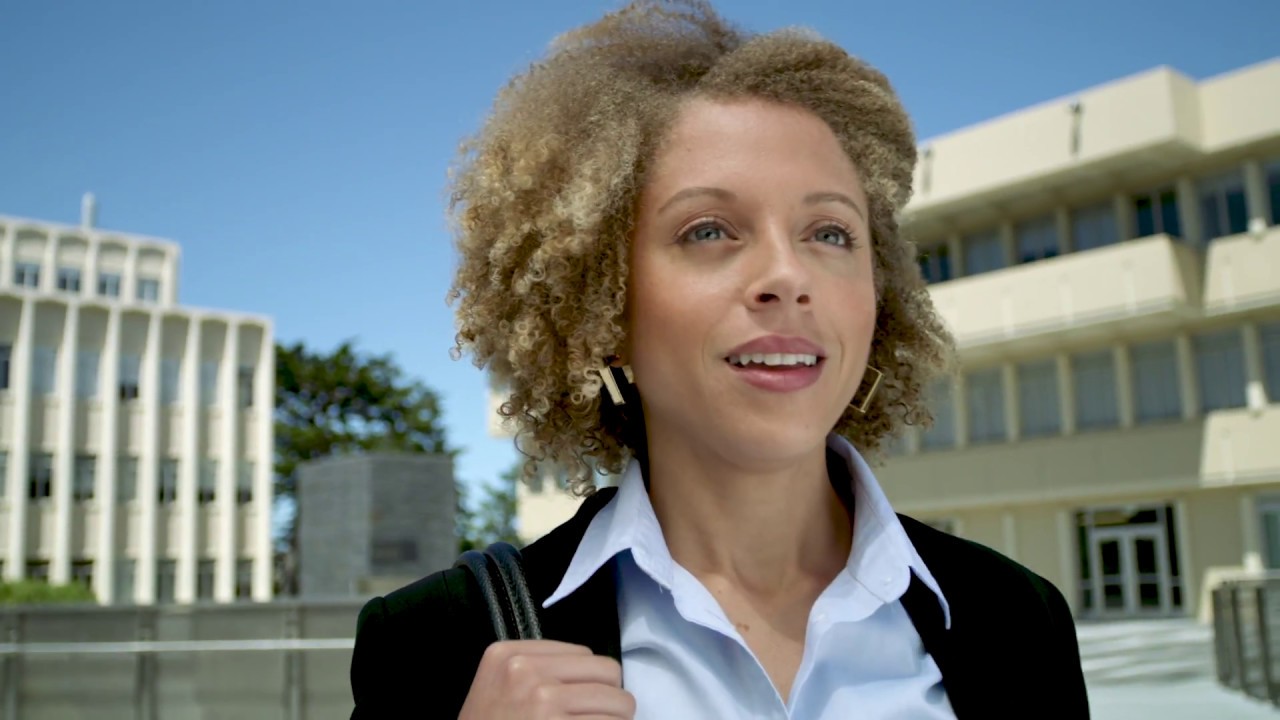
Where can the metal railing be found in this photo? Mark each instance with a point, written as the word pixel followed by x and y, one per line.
pixel 1246 629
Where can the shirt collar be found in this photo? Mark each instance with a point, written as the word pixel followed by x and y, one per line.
pixel 882 557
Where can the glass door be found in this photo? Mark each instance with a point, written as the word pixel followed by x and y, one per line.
pixel 1133 575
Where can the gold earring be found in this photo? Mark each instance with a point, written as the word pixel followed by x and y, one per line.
pixel 875 385
pixel 611 382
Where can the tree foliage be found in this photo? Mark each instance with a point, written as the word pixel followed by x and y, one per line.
pixel 494 518
pixel 39 592
pixel 344 402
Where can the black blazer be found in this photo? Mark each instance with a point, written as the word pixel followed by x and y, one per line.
pixel 1011 650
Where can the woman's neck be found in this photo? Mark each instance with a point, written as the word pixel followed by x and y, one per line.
pixel 767 532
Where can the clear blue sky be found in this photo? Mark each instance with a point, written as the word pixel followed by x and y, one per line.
pixel 298 150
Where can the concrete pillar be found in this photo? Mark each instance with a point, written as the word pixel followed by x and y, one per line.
pixel 1124 385
pixel 1066 395
pixel 1062 222
pixel 955 249
pixel 1010 243
pixel 264 409
pixel 228 464
pixel 64 462
pixel 149 458
pixel 960 408
pixel 189 466
pixel 1012 411
pixel 15 567
pixel 1123 206
pixel 104 576
pixel 7 255
pixel 1257 199
pixel 129 278
pixel 1250 535
pixel 1187 377
pixel 1254 382
pixel 89 285
pixel 1009 531
pixel 1189 212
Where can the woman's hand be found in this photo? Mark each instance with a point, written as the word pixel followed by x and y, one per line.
pixel 546 679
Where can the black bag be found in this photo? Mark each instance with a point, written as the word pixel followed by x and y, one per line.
pixel 500 574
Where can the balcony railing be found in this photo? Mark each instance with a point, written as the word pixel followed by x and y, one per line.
pixel 1246 628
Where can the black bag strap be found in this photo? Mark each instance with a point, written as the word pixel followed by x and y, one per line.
pixel 499 572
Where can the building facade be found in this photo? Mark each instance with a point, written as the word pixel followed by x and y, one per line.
pixel 1109 264
pixel 135 433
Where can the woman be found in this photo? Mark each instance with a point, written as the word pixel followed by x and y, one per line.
pixel 679 250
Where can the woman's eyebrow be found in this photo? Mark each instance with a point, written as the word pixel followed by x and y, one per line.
pixel 690 192
pixel 831 196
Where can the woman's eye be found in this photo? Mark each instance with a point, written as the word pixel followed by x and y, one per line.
pixel 704 233
pixel 833 235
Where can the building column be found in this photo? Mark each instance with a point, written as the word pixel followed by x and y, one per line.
pixel 129 275
pixel 1187 377
pixel 169 278
pixel 1257 199
pixel 1255 387
pixel 149 459
pixel 1124 384
pixel 1062 222
pixel 960 410
pixel 190 467
pixel 49 273
pixel 1009 242
pixel 1189 212
pixel 89 288
pixel 64 461
pixel 264 402
pixel 109 507
pixel 1009 531
pixel 7 254
pixel 15 567
pixel 1123 208
pixel 228 461
pixel 955 249
pixel 1012 410
pixel 1066 395
pixel 1250 535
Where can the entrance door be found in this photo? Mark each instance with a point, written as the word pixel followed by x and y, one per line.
pixel 1133 577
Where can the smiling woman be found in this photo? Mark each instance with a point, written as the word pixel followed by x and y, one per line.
pixel 679 250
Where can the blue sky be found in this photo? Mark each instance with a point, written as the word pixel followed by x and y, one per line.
pixel 298 150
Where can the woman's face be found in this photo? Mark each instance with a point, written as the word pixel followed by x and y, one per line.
pixel 752 303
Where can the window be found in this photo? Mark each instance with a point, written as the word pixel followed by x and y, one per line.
pixel 1094 227
pixel 1269 339
pixel 83 482
pixel 69 279
pixel 87 362
pixel 1156 393
pixel 38 570
pixel 1220 369
pixel 82 572
pixel 204 579
pixel 1038 403
pixel 126 580
pixel 942 402
pixel 148 289
pixel 1222 205
pixel 984 393
pixel 1094 377
pixel 6 355
pixel 1273 187
pixel 166 580
pixel 244 386
pixel 170 380
pixel 244 578
pixel 1037 239
pixel 244 482
pixel 130 372
pixel 109 284
pixel 1157 213
pixel 40 476
pixel 44 370
pixel 26 274
pixel 209 382
pixel 168 481
pixel 935 264
pixel 983 252
pixel 127 479
pixel 208 490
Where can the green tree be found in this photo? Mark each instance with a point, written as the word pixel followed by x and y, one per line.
pixel 344 402
pixel 38 592
pixel 494 518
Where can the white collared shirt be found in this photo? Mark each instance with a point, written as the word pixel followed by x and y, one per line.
pixel 683 658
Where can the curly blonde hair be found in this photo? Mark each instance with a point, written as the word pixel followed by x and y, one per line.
pixel 544 198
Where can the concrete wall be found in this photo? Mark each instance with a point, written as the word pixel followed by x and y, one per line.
pixel 177 684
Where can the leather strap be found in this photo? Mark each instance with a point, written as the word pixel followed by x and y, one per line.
pixel 500 574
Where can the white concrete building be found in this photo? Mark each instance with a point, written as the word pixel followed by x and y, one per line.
pixel 135 433
pixel 1109 263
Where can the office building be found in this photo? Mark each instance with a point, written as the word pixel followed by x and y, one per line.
pixel 1109 263
pixel 135 433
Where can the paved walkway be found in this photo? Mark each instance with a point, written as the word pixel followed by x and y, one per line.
pixel 1159 669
